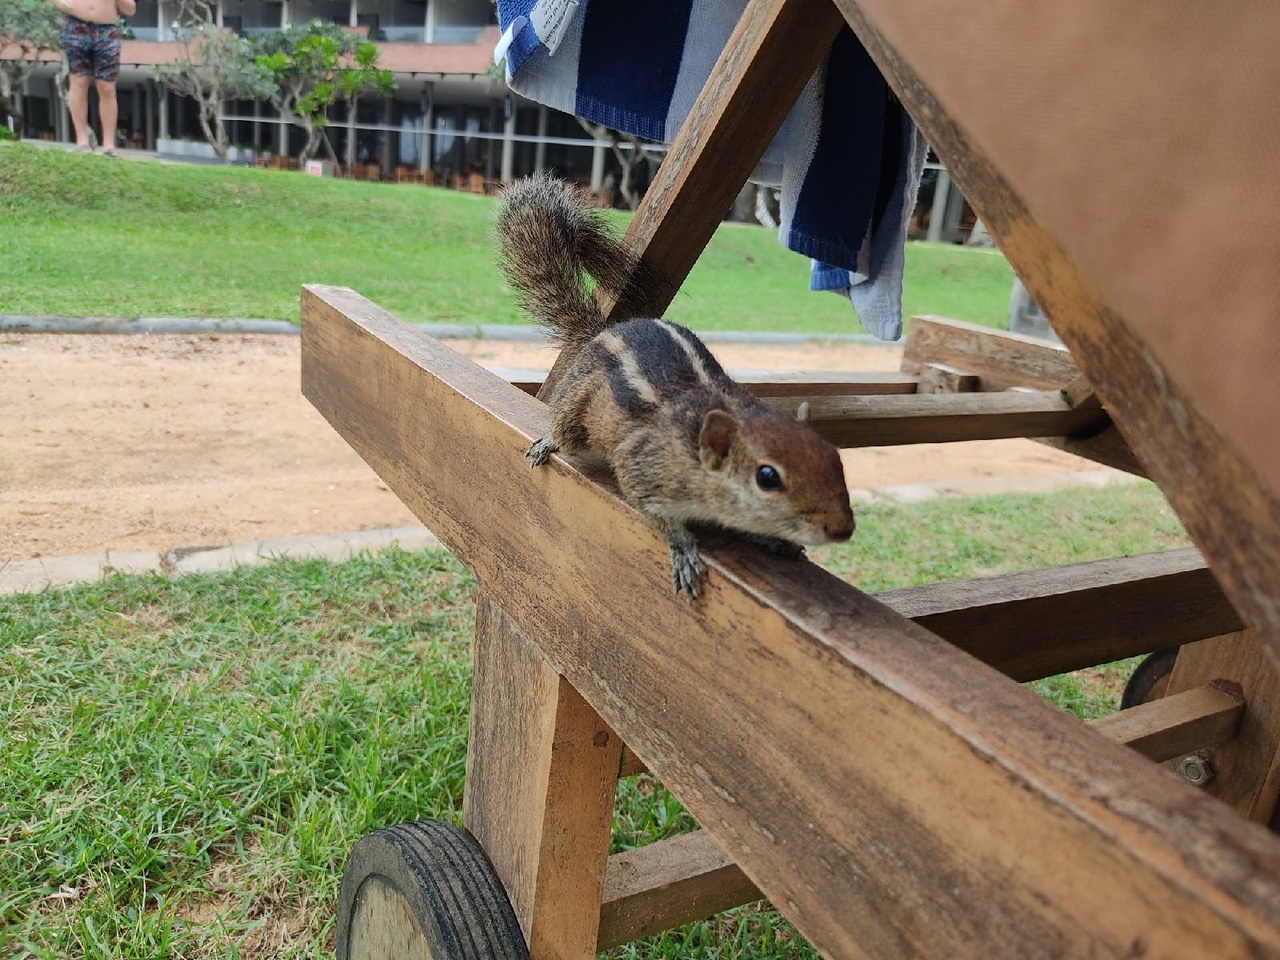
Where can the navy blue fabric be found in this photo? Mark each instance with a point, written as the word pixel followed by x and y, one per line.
pixel 526 41
pixel 836 203
pixel 628 85
pixel 849 158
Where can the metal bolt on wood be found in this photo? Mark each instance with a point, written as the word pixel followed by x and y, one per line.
pixel 1196 770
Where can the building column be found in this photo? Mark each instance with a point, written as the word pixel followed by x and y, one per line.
pixel 257 126
pixel 284 14
pixel 217 13
pixel 540 148
pixel 353 15
pixel 429 22
pixel 162 31
pixel 491 146
pixel 388 113
pixel 135 121
pixel 597 167
pixel 151 115
pixel 282 133
pixel 509 139
pixel 428 123
pixel 164 112
pixel 61 120
pixel 938 212
pixel 351 133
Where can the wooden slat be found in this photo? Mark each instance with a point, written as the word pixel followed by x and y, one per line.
pixel 1176 725
pixel 1248 768
pixel 686 878
pixel 941 418
pixel 1002 360
pixel 808 728
pixel 539 788
pixel 769 383
pixel 667 884
pixel 1040 623
pixel 1216 489
pixel 773 52
pixel 819 383
pixel 999 358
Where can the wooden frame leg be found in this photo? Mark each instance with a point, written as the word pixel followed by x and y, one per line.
pixel 542 771
pixel 1247 768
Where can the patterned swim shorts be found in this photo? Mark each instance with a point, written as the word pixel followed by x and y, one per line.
pixel 92 49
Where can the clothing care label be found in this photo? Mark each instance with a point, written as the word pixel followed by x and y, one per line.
pixel 551 19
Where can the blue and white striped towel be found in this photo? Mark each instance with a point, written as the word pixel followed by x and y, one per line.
pixel 848 159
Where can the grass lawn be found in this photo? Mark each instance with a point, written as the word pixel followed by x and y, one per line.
pixel 83 236
pixel 186 762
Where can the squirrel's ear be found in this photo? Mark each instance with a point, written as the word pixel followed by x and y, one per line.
pixel 802 412
pixel 719 431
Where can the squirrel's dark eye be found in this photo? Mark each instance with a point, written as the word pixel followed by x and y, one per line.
pixel 768 478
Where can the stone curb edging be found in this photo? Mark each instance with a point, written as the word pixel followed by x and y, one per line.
pixel 18 323
pixel 30 576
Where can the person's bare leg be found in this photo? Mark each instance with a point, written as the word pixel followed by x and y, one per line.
pixel 108 109
pixel 78 105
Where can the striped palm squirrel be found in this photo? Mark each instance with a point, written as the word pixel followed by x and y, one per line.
pixel 686 443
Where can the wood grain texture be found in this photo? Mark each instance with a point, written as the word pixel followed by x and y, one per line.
pixel 770 383
pixel 541 770
pixel 941 418
pixel 999 358
pixel 1233 516
pixel 810 729
pixel 1072 103
pixel 669 883
pixel 688 877
pixel 1039 623
pixel 1248 768
pixel 1003 360
pixel 1176 725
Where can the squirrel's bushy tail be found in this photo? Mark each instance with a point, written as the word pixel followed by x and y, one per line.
pixel 549 236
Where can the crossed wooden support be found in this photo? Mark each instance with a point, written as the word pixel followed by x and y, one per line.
pixel 871 765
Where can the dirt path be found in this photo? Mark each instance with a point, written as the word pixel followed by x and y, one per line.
pixel 154 442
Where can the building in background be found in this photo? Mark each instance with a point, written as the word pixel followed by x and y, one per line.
pixel 450 114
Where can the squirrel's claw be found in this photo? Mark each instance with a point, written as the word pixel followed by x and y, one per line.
pixel 540 451
pixel 687 571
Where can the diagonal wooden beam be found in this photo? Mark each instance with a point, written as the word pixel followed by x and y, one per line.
pixel 808 727
pixel 1227 506
pixel 773 52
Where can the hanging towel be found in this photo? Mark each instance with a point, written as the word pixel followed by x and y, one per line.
pixel 847 160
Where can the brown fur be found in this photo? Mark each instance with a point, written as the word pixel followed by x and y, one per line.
pixel 686 443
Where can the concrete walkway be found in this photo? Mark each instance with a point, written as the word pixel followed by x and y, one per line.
pixel 29 576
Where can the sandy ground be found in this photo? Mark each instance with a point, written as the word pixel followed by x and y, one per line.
pixel 155 442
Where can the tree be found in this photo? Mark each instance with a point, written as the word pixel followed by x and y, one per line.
pixel 217 65
pixel 33 26
pixel 314 65
pixel 628 159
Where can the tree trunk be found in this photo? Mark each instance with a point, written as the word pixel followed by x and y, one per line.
pixel 215 132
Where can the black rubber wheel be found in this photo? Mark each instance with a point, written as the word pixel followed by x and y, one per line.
pixel 1149 678
pixel 424 891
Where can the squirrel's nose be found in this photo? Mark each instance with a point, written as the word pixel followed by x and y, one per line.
pixel 839 532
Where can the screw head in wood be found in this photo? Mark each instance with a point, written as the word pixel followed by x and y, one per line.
pixel 1196 770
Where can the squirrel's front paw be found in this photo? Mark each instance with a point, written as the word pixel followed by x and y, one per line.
pixel 540 451
pixel 687 571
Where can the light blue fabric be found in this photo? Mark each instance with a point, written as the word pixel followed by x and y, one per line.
pixel 848 159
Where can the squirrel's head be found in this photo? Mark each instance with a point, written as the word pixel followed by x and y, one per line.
pixel 775 476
